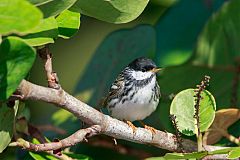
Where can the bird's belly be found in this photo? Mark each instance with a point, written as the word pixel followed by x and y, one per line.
pixel 138 108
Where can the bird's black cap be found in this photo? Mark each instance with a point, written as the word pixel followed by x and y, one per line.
pixel 142 64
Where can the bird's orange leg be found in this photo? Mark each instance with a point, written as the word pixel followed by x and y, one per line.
pixel 151 129
pixel 131 125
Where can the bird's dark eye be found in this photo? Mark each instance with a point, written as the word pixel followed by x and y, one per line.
pixel 143 70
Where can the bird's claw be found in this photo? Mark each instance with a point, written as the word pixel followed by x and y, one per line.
pixel 132 126
pixel 151 129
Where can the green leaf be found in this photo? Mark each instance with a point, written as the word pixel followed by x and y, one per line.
pixel 196 155
pixel 52 7
pixel 118 11
pixel 234 154
pixel 17 58
pixel 42 156
pixel 45 156
pixel 156 158
pixel 223 151
pixel 6 125
pixel 18 16
pixel 172 48
pixel 78 156
pixel 183 108
pixel 44 33
pixel 218 44
pixel 68 23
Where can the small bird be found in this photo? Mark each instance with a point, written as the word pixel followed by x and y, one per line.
pixel 135 93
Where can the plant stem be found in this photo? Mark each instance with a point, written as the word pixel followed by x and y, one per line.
pixel 200 142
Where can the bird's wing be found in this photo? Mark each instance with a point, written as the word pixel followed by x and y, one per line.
pixel 158 93
pixel 115 90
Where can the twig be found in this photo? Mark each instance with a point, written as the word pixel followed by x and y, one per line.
pixel 199 90
pixel 178 134
pixel 35 132
pixel 75 138
pixel 52 78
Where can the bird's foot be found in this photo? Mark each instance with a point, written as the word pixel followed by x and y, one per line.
pixel 151 129
pixel 131 125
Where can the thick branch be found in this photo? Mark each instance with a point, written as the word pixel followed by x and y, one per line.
pixel 109 126
pixel 75 138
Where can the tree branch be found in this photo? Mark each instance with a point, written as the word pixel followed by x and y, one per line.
pixel 34 132
pixel 75 138
pixel 109 126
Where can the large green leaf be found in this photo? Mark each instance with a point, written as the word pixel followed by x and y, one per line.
pixel 17 58
pixel 52 7
pixel 6 126
pixel 44 33
pixel 18 16
pixel 183 108
pixel 218 44
pixel 118 11
pixel 177 30
pixel 68 23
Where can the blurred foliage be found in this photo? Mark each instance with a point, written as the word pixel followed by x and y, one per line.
pixel 68 23
pixel 188 38
pixel 52 8
pixel 223 120
pixel 177 31
pixel 13 17
pixel 218 43
pixel 6 126
pixel 233 152
pixel 45 32
pixel 16 61
pixel 120 11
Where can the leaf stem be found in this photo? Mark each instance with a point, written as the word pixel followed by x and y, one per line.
pixel 200 142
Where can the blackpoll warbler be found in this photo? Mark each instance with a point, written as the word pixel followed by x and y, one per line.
pixel 135 93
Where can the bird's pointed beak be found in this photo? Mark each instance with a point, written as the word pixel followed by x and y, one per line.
pixel 155 70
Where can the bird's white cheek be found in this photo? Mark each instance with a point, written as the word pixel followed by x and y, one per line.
pixel 139 75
